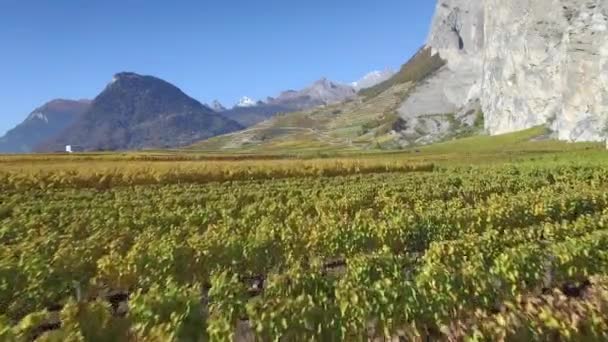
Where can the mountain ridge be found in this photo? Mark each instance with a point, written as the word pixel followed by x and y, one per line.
pixel 137 111
pixel 322 92
pixel 41 124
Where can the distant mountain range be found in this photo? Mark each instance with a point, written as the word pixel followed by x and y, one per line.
pixel 323 92
pixel 137 112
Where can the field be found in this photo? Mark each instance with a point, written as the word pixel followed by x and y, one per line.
pixel 484 238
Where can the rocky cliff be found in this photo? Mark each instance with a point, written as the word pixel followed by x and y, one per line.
pixel 527 62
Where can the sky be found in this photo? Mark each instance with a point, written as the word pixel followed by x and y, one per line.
pixel 211 49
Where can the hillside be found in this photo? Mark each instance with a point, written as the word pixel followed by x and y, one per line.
pixel 43 123
pixel 355 124
pixel 370 120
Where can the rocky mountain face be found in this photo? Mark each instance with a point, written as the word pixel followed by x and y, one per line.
pixel 42 124
pixel 135 112
pixel 524 62
pixel 321 93
pixel 558 63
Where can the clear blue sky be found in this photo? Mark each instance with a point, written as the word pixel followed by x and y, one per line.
pixel 211 49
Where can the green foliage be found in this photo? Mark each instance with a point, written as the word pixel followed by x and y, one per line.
pixel 380 126
pixel 423 64
pixel 420 254
pixel 513 143
pixel 91 322
pixel 228 306
pixel 169 307
pixel 479 120
pixel 104 175
pixel 5 212
pixel 462 130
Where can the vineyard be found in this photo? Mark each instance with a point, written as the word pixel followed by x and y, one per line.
pixel 303 250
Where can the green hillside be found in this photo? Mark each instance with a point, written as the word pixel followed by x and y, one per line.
pixel 363 123
pixel 422 65
pixel 359 124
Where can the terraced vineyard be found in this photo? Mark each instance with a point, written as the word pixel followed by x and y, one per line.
pixel 310 250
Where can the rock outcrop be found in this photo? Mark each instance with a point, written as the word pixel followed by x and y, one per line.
pixel 528 62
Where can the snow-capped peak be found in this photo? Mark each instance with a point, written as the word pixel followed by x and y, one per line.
pixel 246 102
pixel 217 106
pixel 372 78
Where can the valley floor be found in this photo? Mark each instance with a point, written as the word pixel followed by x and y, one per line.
pixel 490 238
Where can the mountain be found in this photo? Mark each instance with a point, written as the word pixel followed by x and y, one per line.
pixel 217 106
pixel 42 124
pixel 367 120
pixel 372 78
pixel 245 102
pixel 526 63
pixel 358 123
pixel 135 112
pixel 320 93
pixel 251 115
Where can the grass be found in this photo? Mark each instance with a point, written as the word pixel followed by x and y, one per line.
pixel 155 225
pixel 333 128
pixel 518 141
pixel 526 144
pixel 423 64
pixel 530 144
pixel 17 174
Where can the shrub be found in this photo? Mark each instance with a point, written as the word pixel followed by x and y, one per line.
pixel 419 67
